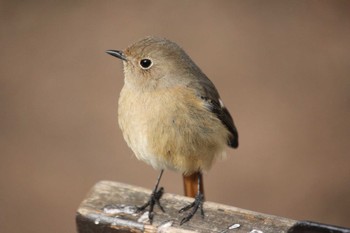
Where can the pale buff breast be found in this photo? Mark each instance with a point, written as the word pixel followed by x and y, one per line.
pixel 167 132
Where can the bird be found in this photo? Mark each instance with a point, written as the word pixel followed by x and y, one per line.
pixel 171 115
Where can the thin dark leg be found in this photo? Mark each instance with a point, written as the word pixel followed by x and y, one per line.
pixel 154 199
pixel 197 203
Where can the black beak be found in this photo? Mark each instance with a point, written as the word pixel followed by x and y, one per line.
pixel 117 53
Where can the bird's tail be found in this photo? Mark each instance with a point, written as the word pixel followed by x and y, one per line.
pixel 191 184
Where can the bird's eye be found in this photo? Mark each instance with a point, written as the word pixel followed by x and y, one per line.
pixel 145 63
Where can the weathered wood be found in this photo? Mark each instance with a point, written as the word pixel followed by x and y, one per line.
pixel 110 207
pixel 91 216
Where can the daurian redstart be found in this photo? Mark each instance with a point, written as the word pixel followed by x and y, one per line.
pixel 171 114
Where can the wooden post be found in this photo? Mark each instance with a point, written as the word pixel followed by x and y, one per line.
pixel 110 207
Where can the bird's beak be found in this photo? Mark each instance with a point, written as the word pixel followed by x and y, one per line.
pixel 117 53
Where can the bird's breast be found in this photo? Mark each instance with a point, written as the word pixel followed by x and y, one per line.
pixel 170 128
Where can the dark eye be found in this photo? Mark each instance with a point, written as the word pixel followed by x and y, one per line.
pixel 145 63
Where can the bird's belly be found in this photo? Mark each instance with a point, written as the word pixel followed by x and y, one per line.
pixel 172 135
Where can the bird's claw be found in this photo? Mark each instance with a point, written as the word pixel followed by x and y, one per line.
pixel 197 203
pixel 153 200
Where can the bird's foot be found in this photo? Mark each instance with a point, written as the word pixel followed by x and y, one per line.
pixel 153 200
pixel 197 203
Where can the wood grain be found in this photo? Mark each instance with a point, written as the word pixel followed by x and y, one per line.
pixel 92 218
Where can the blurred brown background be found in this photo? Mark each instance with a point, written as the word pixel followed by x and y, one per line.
pixel 282 68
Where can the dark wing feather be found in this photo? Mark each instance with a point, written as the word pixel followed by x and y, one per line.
pixel 225 117
pixel 206 90
pixel 227 120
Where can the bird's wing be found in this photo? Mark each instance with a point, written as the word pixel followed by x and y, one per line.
pixel 208 93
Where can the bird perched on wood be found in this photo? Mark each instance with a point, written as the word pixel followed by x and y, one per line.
pixel 171 114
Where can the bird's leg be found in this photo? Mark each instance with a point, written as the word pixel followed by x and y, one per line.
pixel 154 199
pixel 197 203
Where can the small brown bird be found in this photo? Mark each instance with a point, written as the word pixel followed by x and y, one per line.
pixel 171 114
